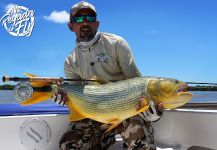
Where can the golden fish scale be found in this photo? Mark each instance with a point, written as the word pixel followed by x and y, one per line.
pixel 110 98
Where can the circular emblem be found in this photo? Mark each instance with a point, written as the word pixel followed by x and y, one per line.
pixel 23 91
pixel 35 134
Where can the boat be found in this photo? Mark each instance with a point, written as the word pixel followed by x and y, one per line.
pixel 36 127
pixel 191 127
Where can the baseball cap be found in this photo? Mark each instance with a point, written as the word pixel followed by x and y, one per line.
pixel 81 5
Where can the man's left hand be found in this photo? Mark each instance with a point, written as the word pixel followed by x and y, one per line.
pixel 154 112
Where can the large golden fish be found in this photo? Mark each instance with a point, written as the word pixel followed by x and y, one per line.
pixel 112 103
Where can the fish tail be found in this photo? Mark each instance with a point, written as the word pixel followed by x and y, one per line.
pixel 42 91
pixel 37 83
pixel 37 97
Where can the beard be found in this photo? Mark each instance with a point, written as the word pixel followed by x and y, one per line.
pixel 86 33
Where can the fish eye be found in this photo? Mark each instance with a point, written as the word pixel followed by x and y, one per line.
pixel 176 81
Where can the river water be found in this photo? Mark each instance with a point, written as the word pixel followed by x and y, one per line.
pixel 6 97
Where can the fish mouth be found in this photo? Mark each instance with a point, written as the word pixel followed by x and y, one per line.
pixel 175 104
pixel 182 88
pixel 183 96
pixel 182 91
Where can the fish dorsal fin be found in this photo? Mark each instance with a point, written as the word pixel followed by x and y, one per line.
pixel 98 80
pixel 29 75
pixel 36 84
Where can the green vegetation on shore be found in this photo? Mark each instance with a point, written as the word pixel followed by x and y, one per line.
pixel 202 88
pixel 6 87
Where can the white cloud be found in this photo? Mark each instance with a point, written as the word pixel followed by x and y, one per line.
pixel 9 6
pixel 58 17
pixel 154 31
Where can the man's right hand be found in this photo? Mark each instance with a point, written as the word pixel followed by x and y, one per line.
pixel 59 96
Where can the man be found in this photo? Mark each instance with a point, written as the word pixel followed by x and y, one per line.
pixel 109 57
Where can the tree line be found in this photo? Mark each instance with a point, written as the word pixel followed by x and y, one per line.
pixel 6 87
pixel 202 88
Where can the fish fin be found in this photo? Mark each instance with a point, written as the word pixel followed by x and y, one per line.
pixel 114 124
pixel 37 97
pixel 143 109
pixel 143 105
pixel 75 115
pixel 40 84
pixel 36 84
pixel 29 75
pixel 112 120
pixel 98 80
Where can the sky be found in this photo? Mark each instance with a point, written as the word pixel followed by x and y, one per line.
pixel 168 38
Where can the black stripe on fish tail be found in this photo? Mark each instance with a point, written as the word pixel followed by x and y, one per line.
pixel 42 89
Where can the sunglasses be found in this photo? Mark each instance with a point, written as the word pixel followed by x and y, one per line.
pixel 80 19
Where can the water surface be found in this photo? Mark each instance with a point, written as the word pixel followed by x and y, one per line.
pixel 6 97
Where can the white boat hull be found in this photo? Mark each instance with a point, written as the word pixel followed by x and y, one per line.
pixel 177 129
pixel 10 128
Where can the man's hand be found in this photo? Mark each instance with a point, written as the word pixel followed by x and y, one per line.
pixel 153 113
pixel 59 96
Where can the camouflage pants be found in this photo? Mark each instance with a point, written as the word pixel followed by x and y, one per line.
pixel 90 135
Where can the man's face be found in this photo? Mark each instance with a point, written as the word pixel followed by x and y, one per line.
pixel 85 30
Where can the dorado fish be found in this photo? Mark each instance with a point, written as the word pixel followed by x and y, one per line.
pixel 112 103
